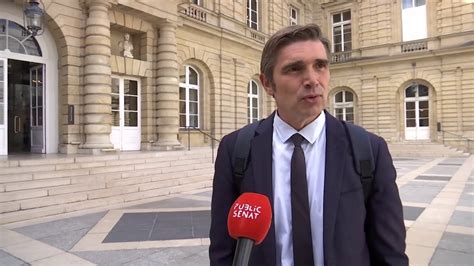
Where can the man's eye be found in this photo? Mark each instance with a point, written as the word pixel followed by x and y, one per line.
pixel 293 69
pixel 321 65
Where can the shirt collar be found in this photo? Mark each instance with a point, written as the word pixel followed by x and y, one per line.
pixel 310 132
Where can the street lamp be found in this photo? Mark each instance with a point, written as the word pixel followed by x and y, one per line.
pixel 33 16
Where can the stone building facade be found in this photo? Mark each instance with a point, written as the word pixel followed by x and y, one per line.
pixel 408 68
pixel 188 70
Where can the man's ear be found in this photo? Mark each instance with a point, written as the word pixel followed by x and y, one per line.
pixel 267 84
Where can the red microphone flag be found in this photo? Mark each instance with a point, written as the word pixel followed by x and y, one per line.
pixel 250 217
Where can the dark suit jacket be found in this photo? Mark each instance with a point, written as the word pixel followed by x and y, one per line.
pixel 354 234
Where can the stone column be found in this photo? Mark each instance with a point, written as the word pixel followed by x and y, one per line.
pixel 167 90
pixel 97 78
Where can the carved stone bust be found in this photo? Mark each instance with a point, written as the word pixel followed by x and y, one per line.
pixel 126 46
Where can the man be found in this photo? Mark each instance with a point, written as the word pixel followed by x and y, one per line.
pixel 341 228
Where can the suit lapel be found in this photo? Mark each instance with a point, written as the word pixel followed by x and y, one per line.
pixel 336 153
pixel 261 157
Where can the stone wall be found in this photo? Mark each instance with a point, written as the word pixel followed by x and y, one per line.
pixel 379 70
pixel 67 21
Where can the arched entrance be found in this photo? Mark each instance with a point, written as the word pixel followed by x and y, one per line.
pixel 417 112
pixel 28 87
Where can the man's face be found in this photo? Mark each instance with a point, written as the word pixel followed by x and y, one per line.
pixel 300 82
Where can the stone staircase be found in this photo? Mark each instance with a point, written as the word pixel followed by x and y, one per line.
pixel 422 149
pixel 49 185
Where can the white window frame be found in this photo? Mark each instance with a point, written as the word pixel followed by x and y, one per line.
pixel 342 24
pixel 250 23
pixel 251 96
pixel 122 95
pixel 189 87
pixel 414 21
pixel 344 105
pixel 417 132
pixel 196 2
pixel 4 106
pixel 414 3
pixel 126 137
pixel 293 20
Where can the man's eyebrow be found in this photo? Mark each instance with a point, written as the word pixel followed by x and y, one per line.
pixel 322 61
pixel 300 63
pixel 292 64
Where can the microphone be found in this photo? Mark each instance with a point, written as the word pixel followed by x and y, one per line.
pixel 248 221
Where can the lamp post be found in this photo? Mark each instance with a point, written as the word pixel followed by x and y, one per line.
pixel 33 16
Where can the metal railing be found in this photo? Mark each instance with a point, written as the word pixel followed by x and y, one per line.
pixel 458 138
pixel 188 129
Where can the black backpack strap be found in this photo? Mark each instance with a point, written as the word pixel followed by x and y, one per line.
pixel 241 151
pixel 362 155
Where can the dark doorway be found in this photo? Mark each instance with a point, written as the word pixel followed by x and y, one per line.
pixel 19 106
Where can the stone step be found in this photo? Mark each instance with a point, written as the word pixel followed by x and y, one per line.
pixel 428 155
pixel 35 184
pixel 425 145
pixel 102 203
pixel 429 149
pixel 150 178
pixel 24 173
pixel 425 151
pixel 40 199
pixel 23 194
pixel 10 182
pixel 420 147
pixel 14 162
pixel 38 187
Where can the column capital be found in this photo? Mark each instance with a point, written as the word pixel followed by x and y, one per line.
pixel 106 3
pixel 169 24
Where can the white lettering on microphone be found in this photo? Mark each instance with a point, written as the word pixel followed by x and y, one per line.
pixel 246 211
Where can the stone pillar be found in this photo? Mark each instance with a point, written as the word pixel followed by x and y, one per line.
pixel 97 78
pixel 167 90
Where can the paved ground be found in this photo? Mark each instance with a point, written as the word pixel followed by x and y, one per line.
pixel 437 194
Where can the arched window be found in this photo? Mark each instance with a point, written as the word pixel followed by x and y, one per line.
pixel 253 113
pixel 344 106
pixel 189 98
pixel 252 14
pixel 16 39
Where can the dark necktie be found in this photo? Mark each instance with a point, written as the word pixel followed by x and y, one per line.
pixel 302 240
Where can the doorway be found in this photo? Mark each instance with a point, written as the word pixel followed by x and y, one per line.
pixel 417 113
pixel 22 55
pixel 126 133
pixel 25 107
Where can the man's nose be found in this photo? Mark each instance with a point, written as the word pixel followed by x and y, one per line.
pixel 311 78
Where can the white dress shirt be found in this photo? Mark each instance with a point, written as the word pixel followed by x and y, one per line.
pixel 315 156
